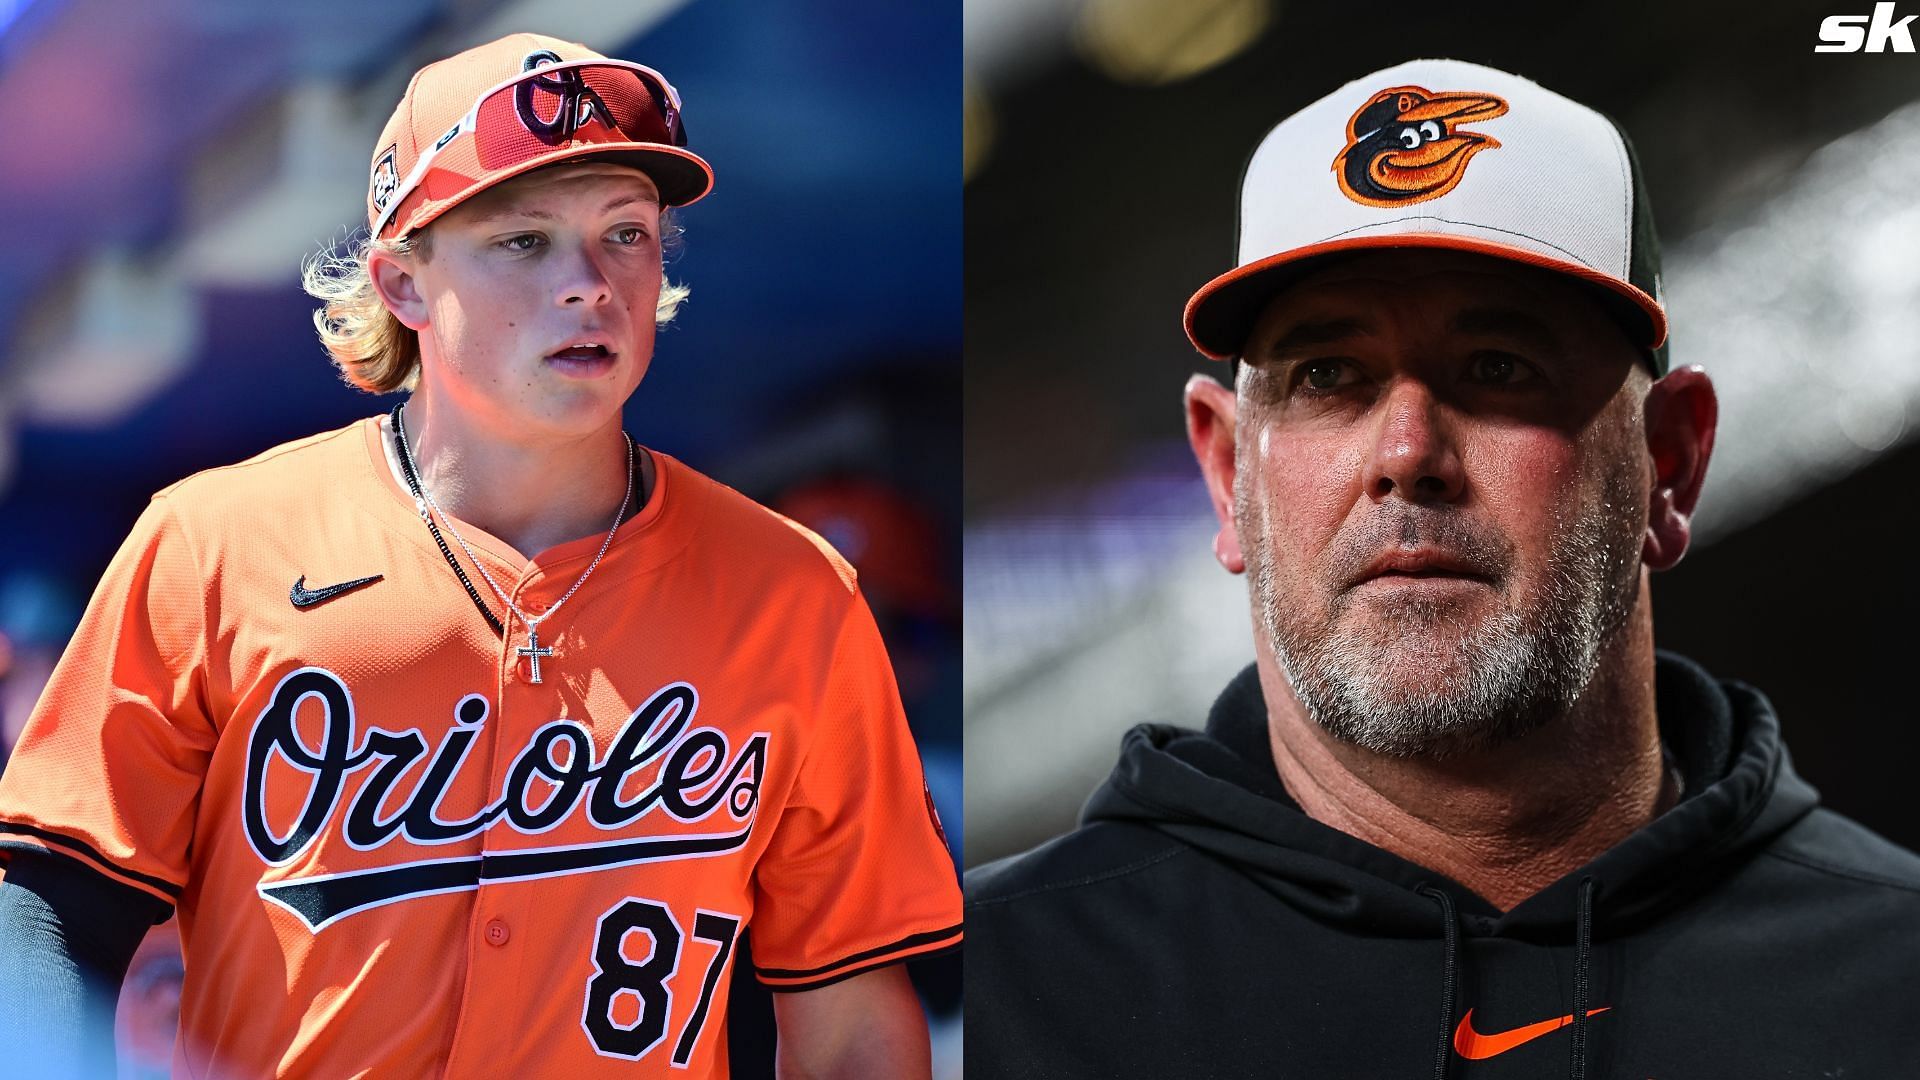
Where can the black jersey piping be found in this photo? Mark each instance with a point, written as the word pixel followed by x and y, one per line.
pixel 907 942
pixel 413 485
pixel 790 988
pixel 67 845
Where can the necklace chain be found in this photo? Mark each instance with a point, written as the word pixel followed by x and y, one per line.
pixel 400 431
pixel 413 487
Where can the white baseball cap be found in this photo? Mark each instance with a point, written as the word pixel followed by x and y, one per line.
pixel 1442 154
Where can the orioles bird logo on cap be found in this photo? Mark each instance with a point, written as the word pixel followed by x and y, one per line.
pixel 1403 146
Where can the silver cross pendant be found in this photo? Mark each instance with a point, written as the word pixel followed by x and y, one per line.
pixel 533 651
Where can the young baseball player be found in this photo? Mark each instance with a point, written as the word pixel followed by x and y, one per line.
pixel 468 740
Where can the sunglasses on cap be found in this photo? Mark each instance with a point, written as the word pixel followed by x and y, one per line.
pixel 550 106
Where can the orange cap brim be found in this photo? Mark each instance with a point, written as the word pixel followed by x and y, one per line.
pixel 682 176
pixel 1221 314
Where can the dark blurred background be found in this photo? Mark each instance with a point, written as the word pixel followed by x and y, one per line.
pixel 1105 141
pixel 165 164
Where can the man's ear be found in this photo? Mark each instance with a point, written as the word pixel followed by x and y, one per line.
pixel 1211 415
pixel 393 278
pixel 1682 413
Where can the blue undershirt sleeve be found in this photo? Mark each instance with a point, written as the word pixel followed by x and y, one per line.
pixel 67 934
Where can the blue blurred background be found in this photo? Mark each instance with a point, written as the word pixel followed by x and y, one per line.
pixel 165 164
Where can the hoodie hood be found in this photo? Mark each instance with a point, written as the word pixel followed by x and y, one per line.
pixel 1198 924
pixel 1218 791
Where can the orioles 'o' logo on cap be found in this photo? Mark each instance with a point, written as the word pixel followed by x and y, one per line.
pixel 577 104
pixel 1404 146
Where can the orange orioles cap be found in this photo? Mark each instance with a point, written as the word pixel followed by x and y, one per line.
pixel 516 104
pixel 1442 154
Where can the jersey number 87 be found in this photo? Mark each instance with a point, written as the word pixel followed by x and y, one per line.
pixel 617 975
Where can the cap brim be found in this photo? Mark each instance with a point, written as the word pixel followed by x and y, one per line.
pixel 682 176
pixel 1222 313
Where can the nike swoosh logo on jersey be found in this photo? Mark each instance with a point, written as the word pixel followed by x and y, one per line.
pixel 305 597
pixel 1474 1046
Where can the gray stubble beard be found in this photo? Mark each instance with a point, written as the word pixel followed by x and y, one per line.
pixel 1473 685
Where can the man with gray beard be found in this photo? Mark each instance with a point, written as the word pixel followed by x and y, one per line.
pixel 1457 778
pixel 1475 685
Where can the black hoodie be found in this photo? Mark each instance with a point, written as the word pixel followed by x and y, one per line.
pixel 1198 924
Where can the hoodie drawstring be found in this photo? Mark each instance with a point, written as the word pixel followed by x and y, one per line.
pixel 1582 975
pixel 1582 959
pixel 1449 919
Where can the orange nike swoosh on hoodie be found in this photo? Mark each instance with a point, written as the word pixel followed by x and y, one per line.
pixel 1474 1046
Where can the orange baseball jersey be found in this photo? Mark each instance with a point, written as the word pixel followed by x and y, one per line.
pixel 395 855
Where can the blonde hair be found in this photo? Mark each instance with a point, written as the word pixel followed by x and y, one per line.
pixel 375 351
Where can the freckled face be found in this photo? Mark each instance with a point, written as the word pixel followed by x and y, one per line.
pixel 540 294
pixel 1475 419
